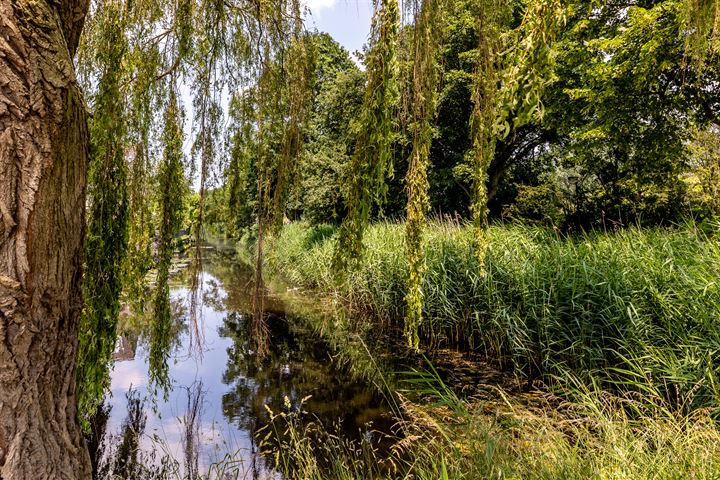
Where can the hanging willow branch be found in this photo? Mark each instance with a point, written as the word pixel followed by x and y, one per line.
pixel 703 21
pixel 107 229
pixel 427 27
pixel 143 63
pixel 372 160
pixel 282 91
pixel 296 81
pixel 508 89
pixel 171 184
pixel 485 98
pixel 208 61
pixel 266 115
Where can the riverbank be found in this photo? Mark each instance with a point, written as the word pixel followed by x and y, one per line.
pixel 619 332
pixel 634 310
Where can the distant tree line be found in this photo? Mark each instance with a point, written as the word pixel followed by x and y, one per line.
pixel 629 131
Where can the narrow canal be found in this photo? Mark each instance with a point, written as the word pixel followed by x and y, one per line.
pixel 221 395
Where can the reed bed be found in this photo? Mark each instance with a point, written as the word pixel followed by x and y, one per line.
pixel 634 311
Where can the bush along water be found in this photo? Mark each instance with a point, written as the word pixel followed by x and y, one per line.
pixel 633 310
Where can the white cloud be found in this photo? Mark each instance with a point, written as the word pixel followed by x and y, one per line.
pixel 126 374
pixel 316 6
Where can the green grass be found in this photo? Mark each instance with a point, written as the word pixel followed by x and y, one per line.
pixel 623 325
pixel 637 310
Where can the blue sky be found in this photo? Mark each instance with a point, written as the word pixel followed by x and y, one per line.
pixel 347 21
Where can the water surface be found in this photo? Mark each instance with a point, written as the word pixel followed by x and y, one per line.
pixel 219 393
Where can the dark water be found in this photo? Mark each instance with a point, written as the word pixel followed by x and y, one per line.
pixel 220 392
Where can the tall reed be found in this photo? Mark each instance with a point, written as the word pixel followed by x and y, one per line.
pixel 630 310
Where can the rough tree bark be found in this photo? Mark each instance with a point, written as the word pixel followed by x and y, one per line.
pixel 43 164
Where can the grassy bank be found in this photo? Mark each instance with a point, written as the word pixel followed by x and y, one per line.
pixel 513 436
pixel 463 441
pixel 634 310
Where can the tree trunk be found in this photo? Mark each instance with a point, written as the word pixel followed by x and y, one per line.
pixel 43 164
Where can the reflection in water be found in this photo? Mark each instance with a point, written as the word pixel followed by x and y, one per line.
pixel 95 439
pixel 196 287
pixel 216 403
pixel 192 430
pixel 121 456
pixel 298 366
pixel 126 464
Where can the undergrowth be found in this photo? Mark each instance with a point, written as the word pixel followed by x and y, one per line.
pixel 621 327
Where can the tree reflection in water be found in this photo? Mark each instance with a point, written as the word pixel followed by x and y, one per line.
pixel 120 456
pixel 298 364
pixel 223 393
pixel 191 423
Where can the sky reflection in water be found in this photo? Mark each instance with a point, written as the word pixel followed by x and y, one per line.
pixel 234 387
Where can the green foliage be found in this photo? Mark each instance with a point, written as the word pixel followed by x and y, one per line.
pixel 508 57
pixel 299 75
pixel 171 185
pixel 139 258
pixel 485 111
pixel 336 104
pixel 457 56
pixel 324 170
pixel 335 87
pixel 620 95
pixel 107 229
pixel 542 204
pixel 527 65
pixel 619 114
pixel 241 177
pixel 372 161
pixel 703 180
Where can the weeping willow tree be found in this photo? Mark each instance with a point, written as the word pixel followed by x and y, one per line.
pixel 507 84
pixel 135 55
pixel 134 58
pixel 372 159
pixel 296 82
